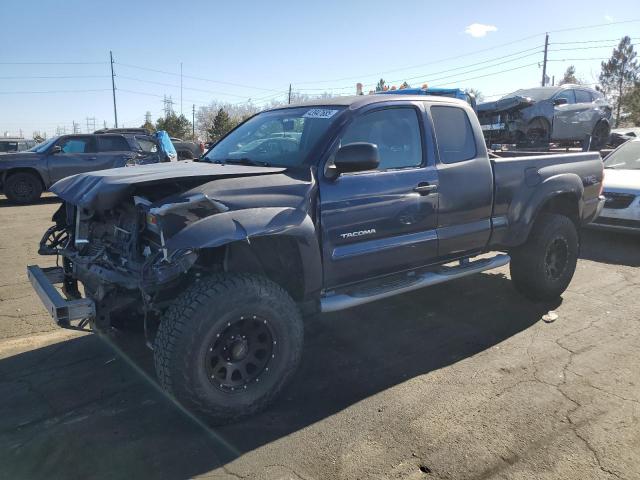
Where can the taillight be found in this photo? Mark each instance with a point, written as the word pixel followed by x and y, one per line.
pixel 201 147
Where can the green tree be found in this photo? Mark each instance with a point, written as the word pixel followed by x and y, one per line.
pixel 149 126
pixel 620 72
pixel 479 96
pixel 381 85
pixel 570 76
pixel 174 125
pixel 222 124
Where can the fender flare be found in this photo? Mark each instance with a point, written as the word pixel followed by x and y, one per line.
pixel 243 225
pixel 526 206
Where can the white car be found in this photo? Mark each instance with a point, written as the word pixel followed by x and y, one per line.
pixel 622 189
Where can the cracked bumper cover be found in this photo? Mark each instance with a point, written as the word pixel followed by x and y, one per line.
pixel 63 311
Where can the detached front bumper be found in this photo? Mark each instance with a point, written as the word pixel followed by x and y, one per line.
pixel 63 311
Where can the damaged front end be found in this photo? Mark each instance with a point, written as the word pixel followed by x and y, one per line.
pixel 504 121
pixel 120 255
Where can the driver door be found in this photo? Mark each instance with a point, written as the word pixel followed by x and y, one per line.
pixel 77 155
pixel 382 221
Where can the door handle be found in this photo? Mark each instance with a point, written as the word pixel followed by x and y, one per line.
pixel 90 158
pixel 425 188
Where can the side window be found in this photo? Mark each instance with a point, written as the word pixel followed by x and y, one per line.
pixel 454 135
pixel 582 96
pixel 568 94
pixel 77 145
pixel 8 146
pixel 113 143
pixel 395 131
pixel 147 145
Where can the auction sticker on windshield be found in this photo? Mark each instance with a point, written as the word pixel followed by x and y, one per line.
pixel 320 113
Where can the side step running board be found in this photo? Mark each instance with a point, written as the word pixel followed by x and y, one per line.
pixel 340 301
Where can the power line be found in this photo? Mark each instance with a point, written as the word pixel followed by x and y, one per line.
pixel 490 74
pixel 27 77
pixel 590 41
pixel 424 75
pixel 54 63
pixel 56 91
pixel 178 86
pixel 196 78
pixel 519 40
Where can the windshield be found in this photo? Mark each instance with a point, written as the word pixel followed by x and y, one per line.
pixel 280 138
pixel 627 157
pixel 41 147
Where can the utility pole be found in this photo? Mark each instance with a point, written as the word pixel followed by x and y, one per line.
pixel 193 121
pixel 180 88
pixel 113 89
pixel 76 127
pixel 289 93
pixel 544 63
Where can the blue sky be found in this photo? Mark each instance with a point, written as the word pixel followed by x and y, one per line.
pixel 255 49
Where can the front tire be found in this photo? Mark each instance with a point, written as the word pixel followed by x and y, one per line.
pixel 23 188
pixel 228 345
pixel 543 267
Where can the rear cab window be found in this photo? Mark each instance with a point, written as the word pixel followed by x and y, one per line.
pixel 454 135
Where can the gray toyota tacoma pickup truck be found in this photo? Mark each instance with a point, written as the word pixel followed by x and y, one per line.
pixel 350 201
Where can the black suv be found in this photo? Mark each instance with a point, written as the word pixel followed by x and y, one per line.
pixel 25 175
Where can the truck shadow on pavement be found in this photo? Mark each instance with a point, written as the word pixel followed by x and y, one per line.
pixel 610 247
pixel 78 409
pixel 45 200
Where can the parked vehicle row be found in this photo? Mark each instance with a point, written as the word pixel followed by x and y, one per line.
pixel 622 189
pixel 25 175
pixel 376 196
pixel 17 144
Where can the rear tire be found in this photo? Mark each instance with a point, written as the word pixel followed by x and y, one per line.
pixel 538 133
pixel 23 188
pixel 228 345
pixel 600 135
pixel 542 268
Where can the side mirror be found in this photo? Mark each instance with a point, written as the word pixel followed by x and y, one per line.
pixel 560 101
pixel 357 157
pixel 56 149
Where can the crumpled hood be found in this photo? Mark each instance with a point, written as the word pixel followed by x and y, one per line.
pixel 625 181
pixel 103 189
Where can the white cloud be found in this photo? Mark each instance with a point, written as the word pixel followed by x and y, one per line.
pixel 608 18
pixel 479 29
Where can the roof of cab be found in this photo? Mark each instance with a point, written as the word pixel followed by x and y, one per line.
pixel 357 101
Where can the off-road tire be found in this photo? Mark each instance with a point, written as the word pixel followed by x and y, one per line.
pixel 189 327
pixel 23 188
pixel 530 271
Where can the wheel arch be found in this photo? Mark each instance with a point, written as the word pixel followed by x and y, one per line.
pixel 280 243
pixel 12 171
pixel 561 194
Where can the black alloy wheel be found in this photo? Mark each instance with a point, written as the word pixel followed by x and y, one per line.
pixel 240 354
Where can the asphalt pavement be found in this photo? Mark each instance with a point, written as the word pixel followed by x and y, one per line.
pixel 464 380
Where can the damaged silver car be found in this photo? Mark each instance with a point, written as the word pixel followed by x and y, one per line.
pixel 534 117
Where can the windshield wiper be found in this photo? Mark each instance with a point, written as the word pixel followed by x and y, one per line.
pixel 245 161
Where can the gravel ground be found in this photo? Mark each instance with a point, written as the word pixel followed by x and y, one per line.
pixel 465 380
